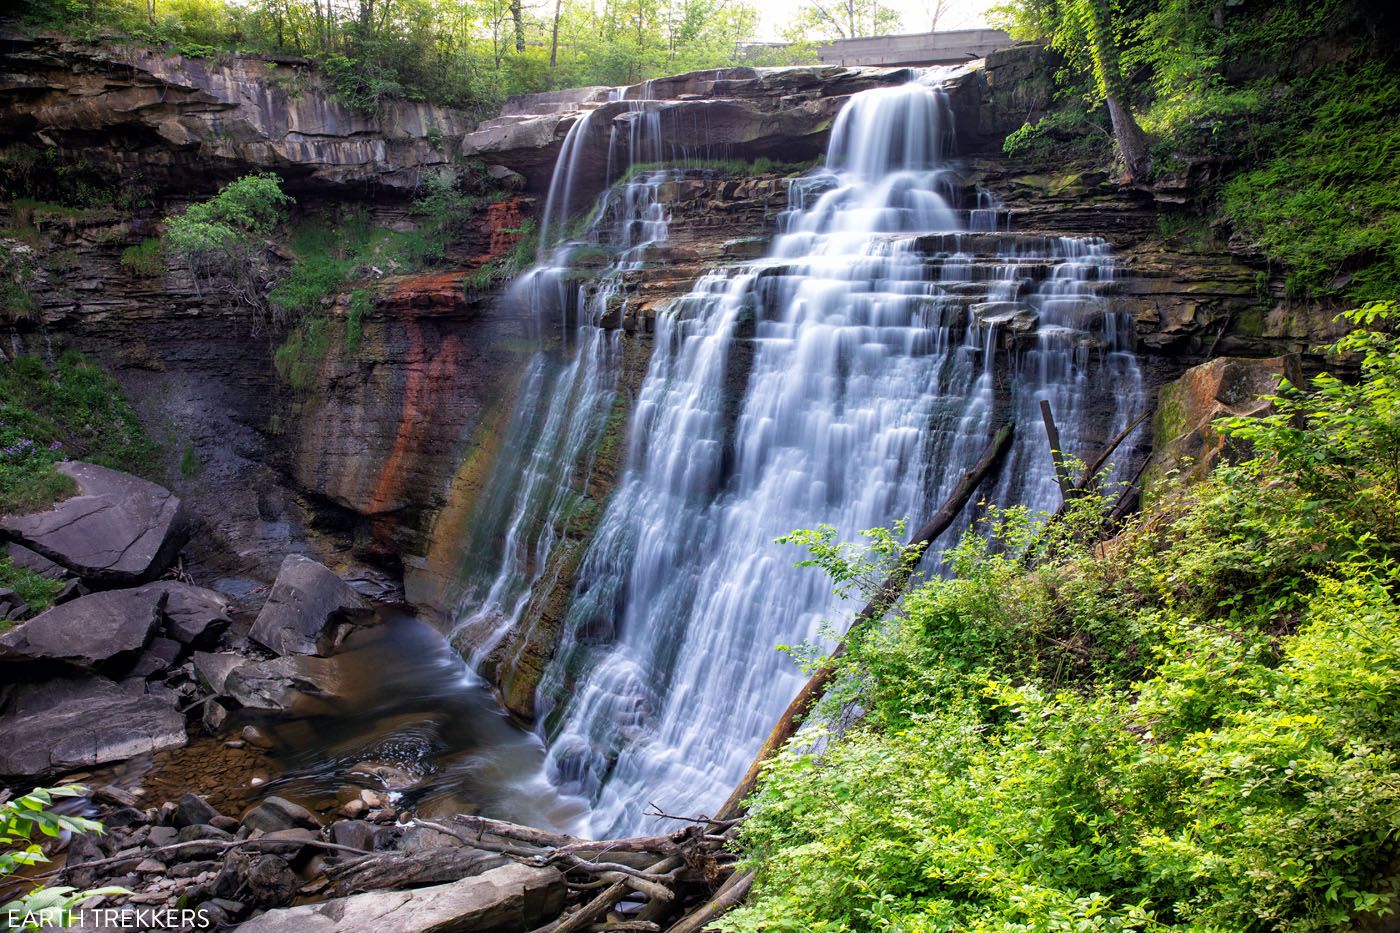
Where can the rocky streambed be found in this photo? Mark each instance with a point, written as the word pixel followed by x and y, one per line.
pixel 243 754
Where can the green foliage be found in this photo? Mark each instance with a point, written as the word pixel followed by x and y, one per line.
pixel 1192 727
pixel 18 281
pixel 299 358
pixel 19 819
pixel 521 255
pixel 1340 441
pixel 74 410
pixel 1324 201
pixel 146 258
pixel 39 592
pixel 1293 105
pixel 361 303
pixel 335 248
pixel 469 53
pixel 190 464
pixel 842 19
pixel 1073 131
pixel 223 239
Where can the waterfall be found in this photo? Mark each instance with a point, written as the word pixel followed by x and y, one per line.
pixel 847 378
pixel 566 396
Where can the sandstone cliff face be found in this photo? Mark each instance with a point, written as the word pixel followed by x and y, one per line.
pixel 729 113
pixel 175 121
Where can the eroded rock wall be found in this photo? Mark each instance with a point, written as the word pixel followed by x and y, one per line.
pixel 188 123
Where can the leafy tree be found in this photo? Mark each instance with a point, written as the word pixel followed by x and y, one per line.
pixel 843 19
pixel 1095 20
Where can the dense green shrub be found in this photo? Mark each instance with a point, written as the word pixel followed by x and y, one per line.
pixel 17 282
pixel 146 258
pixel 1194 726
pixel 223 239
pixel 1323 200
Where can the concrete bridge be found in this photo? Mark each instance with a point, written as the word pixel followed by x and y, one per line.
pixel 921 48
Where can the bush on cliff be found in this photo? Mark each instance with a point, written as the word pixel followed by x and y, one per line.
pixel 1194 725
pixel 223 240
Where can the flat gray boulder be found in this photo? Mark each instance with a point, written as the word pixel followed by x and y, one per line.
pixel 192 615
pixel 119 530
pixel 303 685
pixel 61 725
pixel 503 900
pixel 306 603
pixel 104 630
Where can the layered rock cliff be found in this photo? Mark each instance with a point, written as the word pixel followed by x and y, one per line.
pixel 386 447
pixel 182 123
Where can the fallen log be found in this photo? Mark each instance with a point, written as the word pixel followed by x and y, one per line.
pixel 885 597
pixel 1092 469
pixel 1052 434
pixel 596 910
pixel 730 894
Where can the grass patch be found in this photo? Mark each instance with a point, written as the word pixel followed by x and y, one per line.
pixel 190 464
pixel 361 303
pixel 146 258
pixel 75 410
pixel 520 257
pixel 39 592
pixel 299 357
pixel 335 248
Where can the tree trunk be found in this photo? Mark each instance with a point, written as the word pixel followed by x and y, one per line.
pixel 1132 141
pixel 517 16
pixel 554 36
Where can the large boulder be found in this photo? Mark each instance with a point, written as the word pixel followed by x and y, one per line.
pixel 1185 442
pixel 301 685
pixel 510 898
pixel 62 725
pixel 105 630
pixel 119 530
pixel 192 615
pixel 306 604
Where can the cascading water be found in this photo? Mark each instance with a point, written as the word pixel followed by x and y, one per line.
pixel 566 397
pixel 846 379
